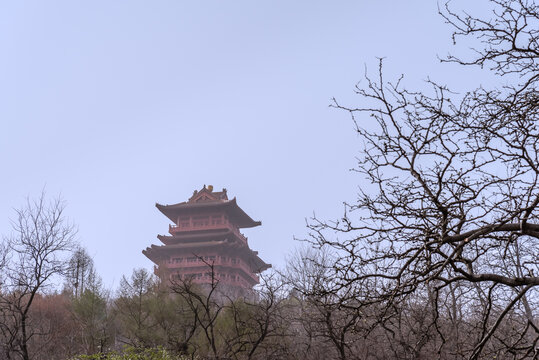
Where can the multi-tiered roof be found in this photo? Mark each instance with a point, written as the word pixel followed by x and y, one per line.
pixel 206 237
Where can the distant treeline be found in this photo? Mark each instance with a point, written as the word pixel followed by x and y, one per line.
pixel 288 316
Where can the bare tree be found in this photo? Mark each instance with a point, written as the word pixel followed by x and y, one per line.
pixel 451 213
pixel 205 303
pixel 259 326
pixel 227 322
pixel 34 255
pixel 133 307
pixel 81 267
pixel 331 324
pixel 92 315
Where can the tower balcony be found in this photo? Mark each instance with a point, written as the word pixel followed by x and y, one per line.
pixel 174 229
pixel 203 263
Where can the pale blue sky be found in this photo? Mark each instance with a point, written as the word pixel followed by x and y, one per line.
pixel 120 104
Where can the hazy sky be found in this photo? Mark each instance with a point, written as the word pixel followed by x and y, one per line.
pixel 117 105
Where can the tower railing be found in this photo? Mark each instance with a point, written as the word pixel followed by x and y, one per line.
pixel 198 263
pixel 174 229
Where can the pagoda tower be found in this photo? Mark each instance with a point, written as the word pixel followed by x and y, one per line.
pixel 205 238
